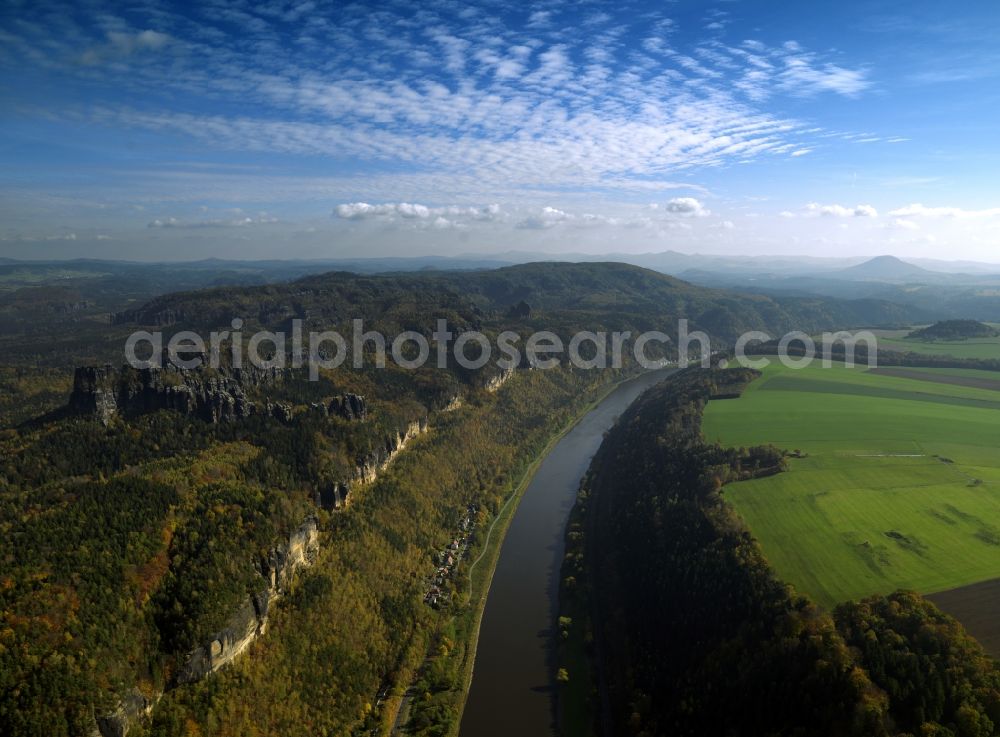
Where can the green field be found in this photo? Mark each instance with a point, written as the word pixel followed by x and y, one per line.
pixel 900 486
pixel 896 340
pixel 11 279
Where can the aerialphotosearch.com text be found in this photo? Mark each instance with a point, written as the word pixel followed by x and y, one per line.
pixel 470 349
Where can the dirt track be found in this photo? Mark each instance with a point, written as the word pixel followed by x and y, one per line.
pixel 977 607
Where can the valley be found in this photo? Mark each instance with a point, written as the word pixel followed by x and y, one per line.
pixel 570 368
pixel 271 530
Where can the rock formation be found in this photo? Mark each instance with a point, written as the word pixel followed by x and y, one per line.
pixel 370 465
pixel 277 569
pixel 498 380
pixel 349 407
pixel 281 411
pixel 250 620
pixel 132 707
pixel 214 395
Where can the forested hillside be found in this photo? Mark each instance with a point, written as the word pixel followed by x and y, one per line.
pixel 126 546
pixel 613 294
pixel 954 330
pixel 134 538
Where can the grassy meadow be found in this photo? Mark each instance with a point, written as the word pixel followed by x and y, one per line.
pixel 899 486
pixel 896 340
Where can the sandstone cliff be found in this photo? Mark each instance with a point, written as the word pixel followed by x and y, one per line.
pixel 214 395
pixel 371 464
pixel 250 620
pixel 498 380
pixel 277 570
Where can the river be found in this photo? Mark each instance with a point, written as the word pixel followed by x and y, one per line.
pixel 511 692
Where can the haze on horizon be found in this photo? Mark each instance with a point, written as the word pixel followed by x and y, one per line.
pixel 163 131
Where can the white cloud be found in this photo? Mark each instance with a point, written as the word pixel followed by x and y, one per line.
pixel 687 207
pixel 509 68
pixel 406 210
pixel 839 211
pixel 793 70
pixel 548 217
pixel 164 223
pixel 413 211
pixel 363 211
pixel 801 77
pixel 539 18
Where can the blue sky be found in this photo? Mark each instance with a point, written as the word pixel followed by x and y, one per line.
pixel 311 130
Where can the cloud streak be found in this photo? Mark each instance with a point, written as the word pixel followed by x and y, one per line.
pixel 814 209
pixel 918 210
pixel 448 92
pixel 239 222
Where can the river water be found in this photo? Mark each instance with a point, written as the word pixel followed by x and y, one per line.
pixel 511 692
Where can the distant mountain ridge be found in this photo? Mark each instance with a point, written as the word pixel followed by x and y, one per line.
pixel 884 268
pixel 668 261
pixel 603 294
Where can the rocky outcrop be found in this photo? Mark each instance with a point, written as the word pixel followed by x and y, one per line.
pixel 250 621
pixel 277 570
pixel 498 380
pixel 95 392
pixel 370 465
pixel 281 411
pixel 349 407
pixel 214 395
pixel 333 496
pixel 132 707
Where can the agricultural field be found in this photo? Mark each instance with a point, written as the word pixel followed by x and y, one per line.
pixel 896 340
pixel 12 278
pixel 976 607
pixel 898 485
